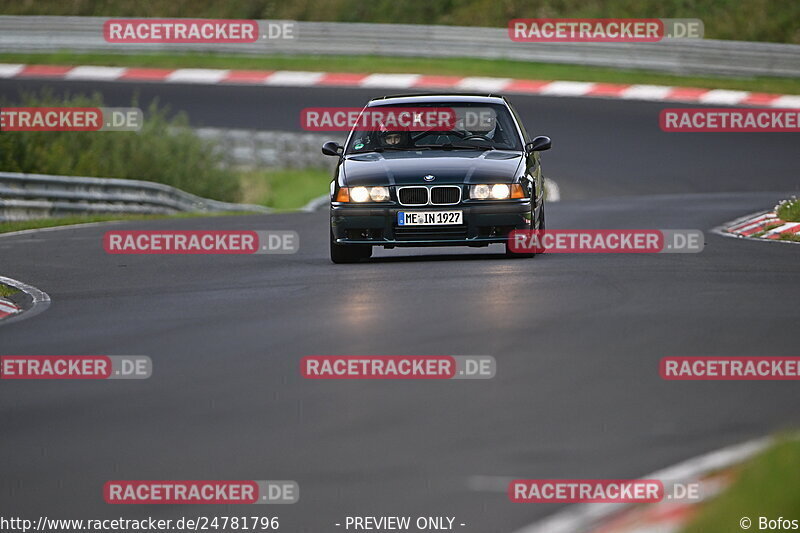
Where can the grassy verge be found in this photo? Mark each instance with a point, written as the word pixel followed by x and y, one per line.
pixel 433 66
pixel 284 189
pixel 766 486
pixel 5 290
pixel 789 210
pixel 38 223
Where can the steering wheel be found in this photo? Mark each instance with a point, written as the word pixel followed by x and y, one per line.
pixel 476 136
pixel 420 135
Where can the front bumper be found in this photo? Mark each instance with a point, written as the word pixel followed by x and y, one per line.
pixel 377 225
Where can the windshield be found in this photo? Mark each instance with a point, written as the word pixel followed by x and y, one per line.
pixel 469 126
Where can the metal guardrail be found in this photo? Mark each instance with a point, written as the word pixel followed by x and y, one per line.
pixel 681 56
pixel 271 149
pixel 26 196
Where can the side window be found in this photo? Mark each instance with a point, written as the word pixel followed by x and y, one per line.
pixel 526 137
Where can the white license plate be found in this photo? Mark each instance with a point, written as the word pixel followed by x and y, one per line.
pixel 429 218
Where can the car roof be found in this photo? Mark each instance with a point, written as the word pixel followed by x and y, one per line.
pixel 411 99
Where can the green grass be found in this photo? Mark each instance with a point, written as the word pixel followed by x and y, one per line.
pixel 284 189
pixel 5 290
pixel 765 486
pixel 789 210
pixel 38 223
pixel 435 66
pixel 753 20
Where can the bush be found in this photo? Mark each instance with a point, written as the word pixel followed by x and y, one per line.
pixel 789 210
pixel 166 150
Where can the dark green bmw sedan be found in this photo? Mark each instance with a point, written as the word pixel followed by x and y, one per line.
pixel 461 171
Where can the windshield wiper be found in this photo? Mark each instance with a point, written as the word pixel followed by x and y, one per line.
pixel 475 147
pixel 380 149
pixel 451 146
pixel 407 148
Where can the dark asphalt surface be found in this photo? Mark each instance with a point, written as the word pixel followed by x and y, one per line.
pixel 577 338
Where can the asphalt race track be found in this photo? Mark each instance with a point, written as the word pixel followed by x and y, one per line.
pixel 577 337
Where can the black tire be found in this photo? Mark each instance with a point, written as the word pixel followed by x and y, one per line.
pixel 349 253
pixel 541 218
pixel 515 255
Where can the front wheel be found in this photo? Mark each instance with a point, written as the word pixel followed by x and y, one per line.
pixel 348 253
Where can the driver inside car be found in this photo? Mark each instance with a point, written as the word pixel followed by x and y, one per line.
pixel 394 139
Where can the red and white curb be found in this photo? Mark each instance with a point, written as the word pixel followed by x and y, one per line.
pixel 765 223
pixel 40 301
pixel 291 78
pixel 663 517
pixel 8 308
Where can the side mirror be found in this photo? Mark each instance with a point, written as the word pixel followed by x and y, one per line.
pixel 331 148
pixel 538 144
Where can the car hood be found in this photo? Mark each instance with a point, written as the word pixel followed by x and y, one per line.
pixel 408 168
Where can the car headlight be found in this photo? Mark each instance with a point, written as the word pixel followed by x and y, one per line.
pixel 501 191
pixel 379 194
pixel 359 194
pixel 363 194
pixel 496 191
pixel 480 192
